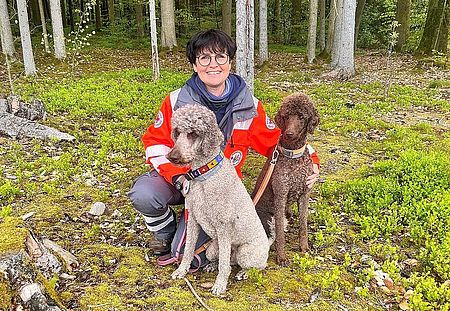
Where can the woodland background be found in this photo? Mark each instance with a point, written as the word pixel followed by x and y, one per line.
pixel 379 216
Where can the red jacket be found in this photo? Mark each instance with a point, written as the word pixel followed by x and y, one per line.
pixel 258 133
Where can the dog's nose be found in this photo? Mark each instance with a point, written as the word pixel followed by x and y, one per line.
pixel 289 134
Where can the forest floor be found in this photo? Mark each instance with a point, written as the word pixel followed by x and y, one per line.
pixel 395 109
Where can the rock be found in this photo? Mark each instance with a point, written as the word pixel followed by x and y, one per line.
pixel 97 209
pixel 29 290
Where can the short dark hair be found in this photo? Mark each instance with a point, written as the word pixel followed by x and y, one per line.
pixel 213 39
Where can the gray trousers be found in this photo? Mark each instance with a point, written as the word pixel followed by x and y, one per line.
pixel 151 195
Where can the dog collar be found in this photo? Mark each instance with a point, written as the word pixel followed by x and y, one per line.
pixel 292 154
pixel 204 171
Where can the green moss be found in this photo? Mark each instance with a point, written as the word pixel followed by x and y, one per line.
pixel 101 297
pixel 12 234
pixel 5 295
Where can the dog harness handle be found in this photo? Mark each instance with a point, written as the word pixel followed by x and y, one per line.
pixel 266 179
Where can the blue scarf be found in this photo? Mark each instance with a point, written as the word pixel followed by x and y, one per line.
pixel 234 85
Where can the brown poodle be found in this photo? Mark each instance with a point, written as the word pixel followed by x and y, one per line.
pixel 296 118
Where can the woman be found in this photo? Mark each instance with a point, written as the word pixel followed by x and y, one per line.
pixel 240 117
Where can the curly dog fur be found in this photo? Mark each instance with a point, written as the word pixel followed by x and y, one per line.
pixel 229 217
pixel 296 118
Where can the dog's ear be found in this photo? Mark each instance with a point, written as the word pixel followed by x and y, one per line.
pixel 279 119
pixel 313 121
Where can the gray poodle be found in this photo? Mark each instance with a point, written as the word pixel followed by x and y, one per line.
pixel 297 117
pixel 217 200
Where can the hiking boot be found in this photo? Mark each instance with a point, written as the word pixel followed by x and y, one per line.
pixel 159 248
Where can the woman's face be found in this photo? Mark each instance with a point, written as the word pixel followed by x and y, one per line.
pixel 213 75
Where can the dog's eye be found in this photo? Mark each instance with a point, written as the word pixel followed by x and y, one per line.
pixel 175 133
pixel 192 136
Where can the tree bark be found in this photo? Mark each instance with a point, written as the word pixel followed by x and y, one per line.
pixel 312 31
pixel 323 20
pixel 154 40
pixel 402 15
pixel 139 20
pixel 27 48
pixel 111 12
pixel 227 7
pixel 5 30
pixel 331 27
pixel 263 42
pixel 98 15
pixel 343 63
pixel 58 30
pixel 70 11
pixel 433 24
pixel 245 32
pixel 443 32
pixel 296 20
pixel 34 12
pixel 168 37
pixel 359 12
pixel 276 26
pixel 63 13
pixel 44 27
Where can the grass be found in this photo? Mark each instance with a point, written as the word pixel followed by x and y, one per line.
pixel 382 203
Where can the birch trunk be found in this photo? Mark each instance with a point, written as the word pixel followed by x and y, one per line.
pixel 323 19
pixel 331 27
pixel 343 51
pixel 245 30
pixel 44 27
pixel 263 44
pixel 58 30
pixel 5 30
pixel 168 37
pixel 312 31
pixel 154 40
pixel 27 49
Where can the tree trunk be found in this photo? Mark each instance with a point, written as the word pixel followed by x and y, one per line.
pixel 139 20
pixel 98 15
pixel 331 27
pixel 343 46
pixel 323 20
pixel 70 11
pixel 245 31
pixel 433 24
pixel 5 30
pixel 263 43
pixel 44 27
pixel 168 37
pixel 58 31
pixel 111 13
pixel 63 13
pixel 34 12
pixel 402 17
pixel 359 12
pixel 227 8
pixel 154 39
pixel 443 31
pixel 312 31
pixel 27 48
pixel 296 20
pixel 277 21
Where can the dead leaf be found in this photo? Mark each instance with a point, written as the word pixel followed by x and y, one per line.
pixel 404 305
pixel 207 285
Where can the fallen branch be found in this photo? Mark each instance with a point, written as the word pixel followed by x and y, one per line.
pixel 69 259
pixel 17 127
pixel 196 295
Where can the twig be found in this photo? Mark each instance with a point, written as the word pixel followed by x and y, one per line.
pixel 196 295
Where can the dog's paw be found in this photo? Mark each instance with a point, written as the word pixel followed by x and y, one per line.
pixel 211 267
pixel 219 288
pixel 242 275
pixel 179 273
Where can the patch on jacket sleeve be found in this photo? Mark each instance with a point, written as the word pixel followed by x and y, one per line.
pixel 269 123
pixel 159 120
pixel 236 157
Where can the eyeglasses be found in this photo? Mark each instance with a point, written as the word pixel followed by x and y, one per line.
pixel 205 59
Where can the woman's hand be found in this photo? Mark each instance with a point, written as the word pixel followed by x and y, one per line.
pixel 311 179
